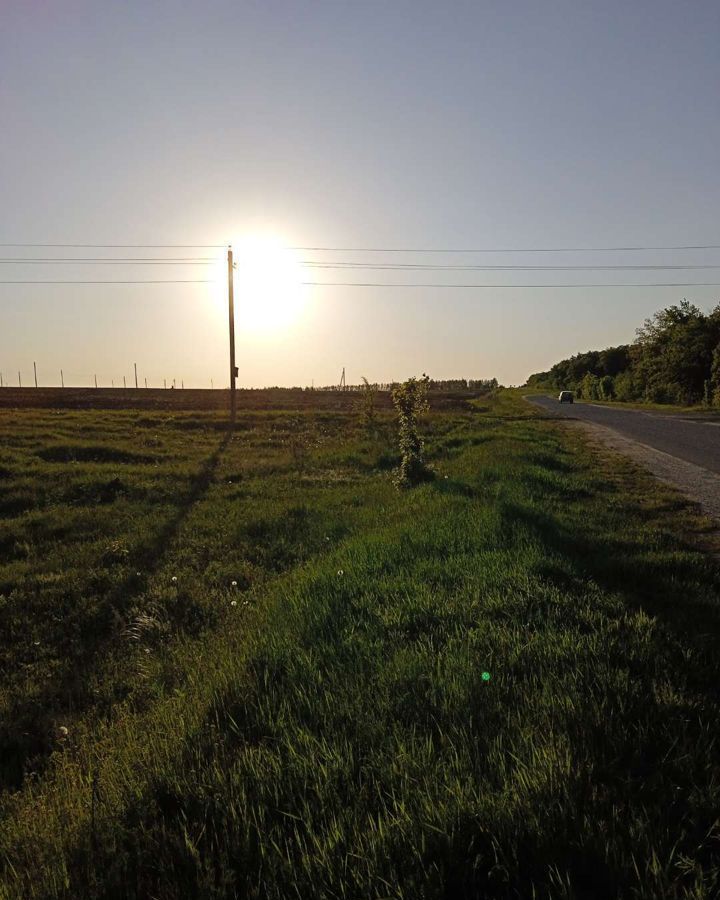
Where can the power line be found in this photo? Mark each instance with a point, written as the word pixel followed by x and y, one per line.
pixel 129 246
pixel 499 249
pixel 376 283
pixel 511 286
pixel 155 281
pixel 404 267
pixel 61 262
pixel 386 249
pixel 108 259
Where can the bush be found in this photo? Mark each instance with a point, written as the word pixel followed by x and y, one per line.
pixel 410 399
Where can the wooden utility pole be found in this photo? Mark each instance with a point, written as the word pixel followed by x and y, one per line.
pixel 124 385
pixel 231 322
pixel 19 380
pixel 165 383
pixel 62 380
pixel 135 364
pixel 96 381
pixel 35 371
pixel 146 382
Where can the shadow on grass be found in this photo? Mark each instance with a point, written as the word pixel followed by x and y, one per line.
pixel 664 583
pixel 26 738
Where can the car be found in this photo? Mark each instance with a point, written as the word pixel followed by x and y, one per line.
pixel 565 397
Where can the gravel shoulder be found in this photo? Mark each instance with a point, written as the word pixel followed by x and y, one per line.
pixel 626 431
pixel 693 481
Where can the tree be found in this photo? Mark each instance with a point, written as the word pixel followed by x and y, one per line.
pixel 366 405
pixel 410 399
pixel 673 352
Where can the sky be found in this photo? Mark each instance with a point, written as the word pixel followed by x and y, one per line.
pixel 414 125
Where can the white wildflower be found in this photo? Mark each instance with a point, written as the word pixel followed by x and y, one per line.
pixel 233 603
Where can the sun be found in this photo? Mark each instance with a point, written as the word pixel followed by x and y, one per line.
pixel 269 293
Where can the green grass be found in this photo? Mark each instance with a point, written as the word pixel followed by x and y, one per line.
pixel 331 734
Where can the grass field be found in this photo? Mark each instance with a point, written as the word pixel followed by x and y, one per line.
pixel 247 666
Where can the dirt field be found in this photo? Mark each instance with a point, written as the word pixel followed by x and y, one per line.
pixel 202 399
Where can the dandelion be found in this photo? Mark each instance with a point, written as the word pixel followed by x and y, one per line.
pixel 174 578
pixel 233 603
pixel 233 583
pixel 340 572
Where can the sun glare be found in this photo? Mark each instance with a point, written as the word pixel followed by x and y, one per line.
pixel 269 294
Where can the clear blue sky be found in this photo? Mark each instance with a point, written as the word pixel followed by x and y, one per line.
pixel 422 124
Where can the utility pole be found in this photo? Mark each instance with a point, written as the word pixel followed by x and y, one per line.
pixel 342 380
pixel 146 382
pixel 165 383
pixel 124 385
pixel 62 380
pixel 35 371
pixel 182 384
pixel 96 381
pixel 1 381
pixel 19 381
pixel 231 323
pixel 212 386
pixel 135 364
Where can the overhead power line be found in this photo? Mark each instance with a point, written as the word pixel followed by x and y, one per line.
pixel 385 249
pixel 499 249
pixel 384 284
pixel 411 267
pixel 133 281
pixel 130 246
pixel 103 262
pixel 107 259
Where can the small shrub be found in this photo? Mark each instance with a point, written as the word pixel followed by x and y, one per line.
pixel 410 399
pixel 366 406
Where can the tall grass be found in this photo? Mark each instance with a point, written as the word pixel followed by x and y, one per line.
pixel 336 737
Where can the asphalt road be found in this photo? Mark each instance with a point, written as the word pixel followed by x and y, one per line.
pixel 696 442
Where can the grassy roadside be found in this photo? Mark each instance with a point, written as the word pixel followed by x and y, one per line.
pixel 337 737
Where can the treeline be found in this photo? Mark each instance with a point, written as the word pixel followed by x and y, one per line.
pixel 675 358
pixel 482 385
